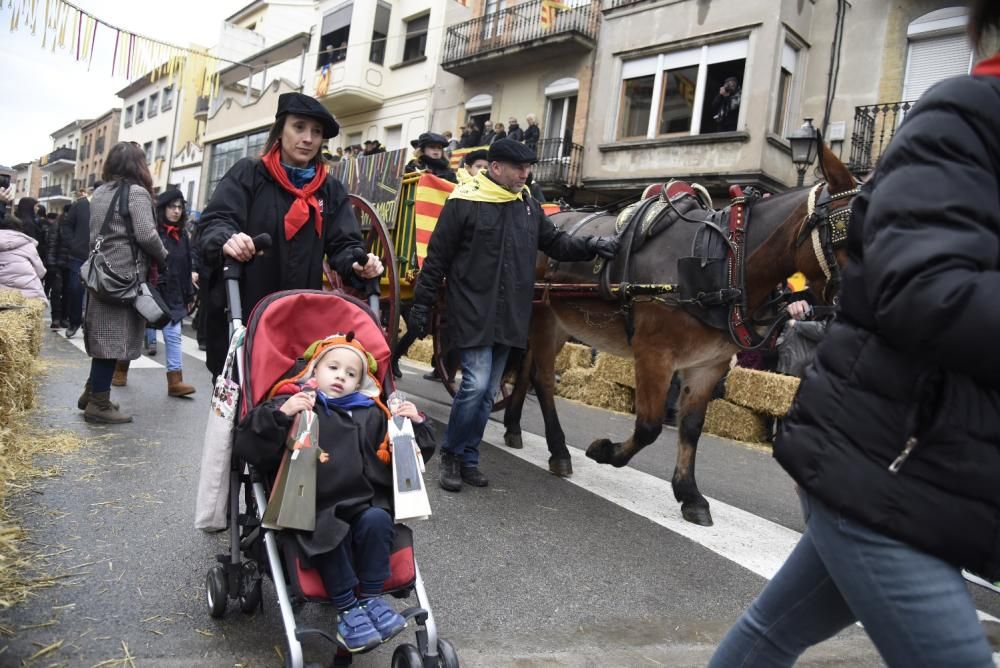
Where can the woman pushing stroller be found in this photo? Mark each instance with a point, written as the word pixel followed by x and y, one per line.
pixel 351 542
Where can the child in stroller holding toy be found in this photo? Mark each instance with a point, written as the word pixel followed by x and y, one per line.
pixel 350 544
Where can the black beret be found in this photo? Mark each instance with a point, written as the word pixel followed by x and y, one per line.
pixel 428 138
pixel 508 150
pixel 478 154
pixel 368 141
pixel 304 105
pixel 414 143
pixel 169 196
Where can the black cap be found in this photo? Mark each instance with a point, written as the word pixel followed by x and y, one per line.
pixel 508 150
pixel 368 141
pixel 472 156
pixel 414 143
pixel 169 196
pixel 428 138
pixel 303 105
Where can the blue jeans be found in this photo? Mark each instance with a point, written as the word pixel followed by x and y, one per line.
pixel 915 607
pixel 172 341
pixel 362 557
pixel 482 369
pixel 73 292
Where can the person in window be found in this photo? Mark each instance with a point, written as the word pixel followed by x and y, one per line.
pixel 894 435
pixel 289 194
pixel 726 105
pixel 533 133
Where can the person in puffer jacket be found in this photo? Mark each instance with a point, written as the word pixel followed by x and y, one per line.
pixel 894 436
pixel 20 266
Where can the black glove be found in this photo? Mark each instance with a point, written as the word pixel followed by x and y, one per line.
pixel 416 321
pixel 606 247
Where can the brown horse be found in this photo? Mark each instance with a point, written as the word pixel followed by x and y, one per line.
pixel 666 338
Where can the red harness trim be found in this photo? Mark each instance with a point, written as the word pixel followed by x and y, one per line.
pixel 737 234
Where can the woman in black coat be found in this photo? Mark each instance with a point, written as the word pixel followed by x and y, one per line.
pixel 288 194
pixel 894 436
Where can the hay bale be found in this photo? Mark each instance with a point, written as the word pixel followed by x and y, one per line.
pixel 583 385
pixel 17 387
pixel 572 356
pixel 614 369
pixel 760 391
pixel 421 350
pixel 728 420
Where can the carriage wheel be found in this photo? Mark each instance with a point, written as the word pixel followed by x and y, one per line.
pixel 440 358
pixel 378 241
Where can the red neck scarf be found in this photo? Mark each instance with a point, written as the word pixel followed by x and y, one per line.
pixel 989 67
pixel 298 214
pixel 174 231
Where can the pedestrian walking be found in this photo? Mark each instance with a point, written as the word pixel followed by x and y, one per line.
pixel 894 436
pixel 75 240
pixel 113 331
pixel 485 243
pixel 21 268
pixel 289 194
pixel 54 262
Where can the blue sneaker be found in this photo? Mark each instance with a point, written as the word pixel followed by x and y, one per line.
pixel 355 630
pixel 387 621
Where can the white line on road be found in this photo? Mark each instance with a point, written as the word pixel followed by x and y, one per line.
pixel 189 347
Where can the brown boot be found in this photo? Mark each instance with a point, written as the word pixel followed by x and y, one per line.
pixel 176 387
pixel 120 379
pixel 100 409
pixel 84 399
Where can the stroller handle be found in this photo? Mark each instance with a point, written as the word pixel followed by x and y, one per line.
pixel 232 272
pixel 372 289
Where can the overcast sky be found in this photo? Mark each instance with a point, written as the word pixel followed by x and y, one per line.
pixel 43 91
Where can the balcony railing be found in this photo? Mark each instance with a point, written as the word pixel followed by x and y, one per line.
pixel 558 163
pixel 51 191
pixel 612 4
pixel 64 153
pixel 517 26
pixel 874 127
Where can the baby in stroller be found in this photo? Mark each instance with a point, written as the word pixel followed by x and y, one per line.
pixel 350 545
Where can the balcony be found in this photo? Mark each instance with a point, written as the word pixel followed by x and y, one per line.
pixel 51 191
pixel 874 126
pixel 514 37
pixel 558 163
pixel 201 108
pixel 60 159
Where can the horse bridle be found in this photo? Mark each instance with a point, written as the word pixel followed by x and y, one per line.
pixel 826 227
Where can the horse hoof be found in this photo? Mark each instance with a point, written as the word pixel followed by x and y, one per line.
pixel 601 451
pixel 513 441
pixel 562 467
pixel 697 514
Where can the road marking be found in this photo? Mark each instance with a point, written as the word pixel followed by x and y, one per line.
pixel 189 346
pixel 755 543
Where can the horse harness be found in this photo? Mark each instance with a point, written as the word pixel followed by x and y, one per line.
pixel 827 231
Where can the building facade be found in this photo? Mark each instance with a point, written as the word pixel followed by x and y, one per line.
pixel 27 179
pixel 97 138
pixel 58 167
pixel 185 174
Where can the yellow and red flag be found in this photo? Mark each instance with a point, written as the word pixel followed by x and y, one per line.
pixel 455 161
pixel 548 12
pixel 429 199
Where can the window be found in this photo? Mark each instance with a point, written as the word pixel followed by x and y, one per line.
pixel 154 104
pixel 129 113
pixel 99 146
pixel 168 98
pixel 190 192
pixel 140 111
pixel 493 25
pixel 692 91
pixel 336 31
pixel 393 137
pixel 380 31
pixel 937 49
pixel 161 148
pixel 416 38
pixel 147 148
pixel 226 153
pixel 783 103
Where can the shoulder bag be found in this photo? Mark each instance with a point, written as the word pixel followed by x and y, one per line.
pixel 101 280
pixel 148 302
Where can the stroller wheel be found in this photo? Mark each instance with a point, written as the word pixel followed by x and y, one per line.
pixel 447 656
pixel 250 588
pixel 216 590
pixel 407 656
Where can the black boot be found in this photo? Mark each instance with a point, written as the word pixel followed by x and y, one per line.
pixel 473 476
pixel 396 371
pixel 451 472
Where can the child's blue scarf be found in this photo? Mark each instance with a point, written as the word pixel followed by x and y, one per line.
pixel 344 403
pixel 300 176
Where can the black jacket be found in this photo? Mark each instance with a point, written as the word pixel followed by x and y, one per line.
pixel 175 283
pixel 515 132
pixel 913 356
pixel 353 480
pixel 438 167
pixel 488 252
pixel 531 136
pixel 249 200
pixel 76 232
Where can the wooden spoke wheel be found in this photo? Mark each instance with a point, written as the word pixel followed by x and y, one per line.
pixel 377 241
pixel 445 357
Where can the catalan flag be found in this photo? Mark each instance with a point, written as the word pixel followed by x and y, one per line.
pixel 548 12
pixel 455 161
pixel 430 197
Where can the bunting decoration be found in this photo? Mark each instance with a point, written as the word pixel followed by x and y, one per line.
pixel 69 28
pixel 549 8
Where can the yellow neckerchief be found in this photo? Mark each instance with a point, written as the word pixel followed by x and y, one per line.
pixel 462 175
pixel 483 189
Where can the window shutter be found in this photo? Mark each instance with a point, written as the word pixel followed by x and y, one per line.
pixel 934 59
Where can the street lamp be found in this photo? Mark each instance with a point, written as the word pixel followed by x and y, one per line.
pixel 804 148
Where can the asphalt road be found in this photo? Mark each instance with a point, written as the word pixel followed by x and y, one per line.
pixel 531 571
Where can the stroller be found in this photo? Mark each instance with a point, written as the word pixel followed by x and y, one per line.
pixel 269 350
